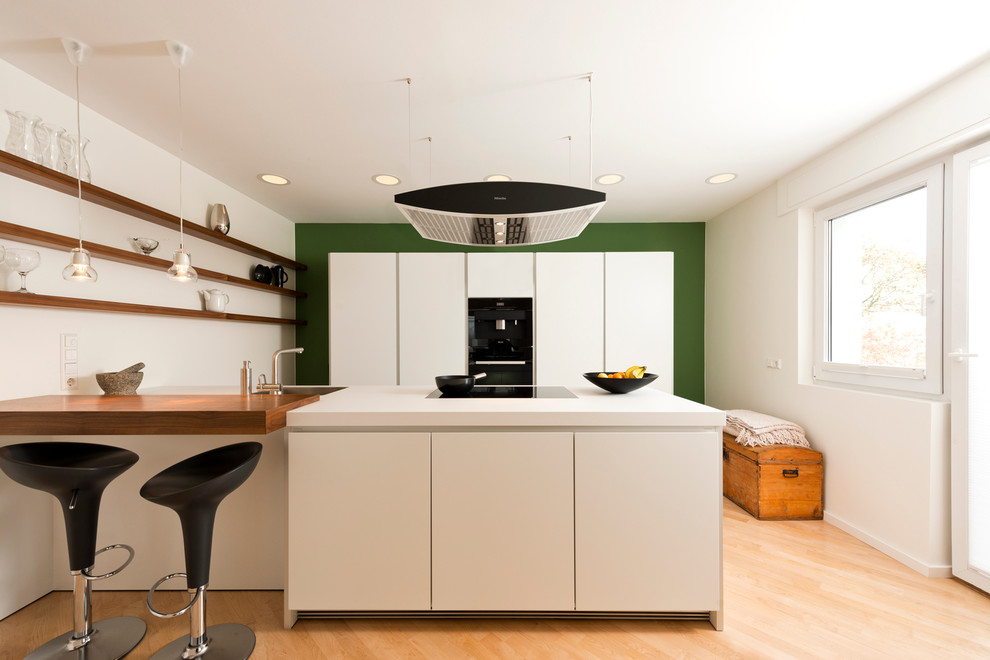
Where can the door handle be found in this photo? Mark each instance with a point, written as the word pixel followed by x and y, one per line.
pixel 962 355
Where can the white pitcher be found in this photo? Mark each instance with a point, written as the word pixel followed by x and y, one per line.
pixel 215 300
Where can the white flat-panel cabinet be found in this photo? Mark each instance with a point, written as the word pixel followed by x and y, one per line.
pixel 503 521
pixel 500 275
pixel 363 328
pixel 639 313
pixel 359 521
pixel 648 521
pixel 432 316
pixel 570 316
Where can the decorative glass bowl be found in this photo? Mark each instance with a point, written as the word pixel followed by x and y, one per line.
pixel 145 245
pixel 620 385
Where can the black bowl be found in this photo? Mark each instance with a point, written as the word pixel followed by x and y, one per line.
pixel 620 385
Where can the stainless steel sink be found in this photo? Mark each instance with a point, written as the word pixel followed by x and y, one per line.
pixel 310 389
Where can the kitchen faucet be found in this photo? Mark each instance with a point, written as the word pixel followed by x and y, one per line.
pixel 274 387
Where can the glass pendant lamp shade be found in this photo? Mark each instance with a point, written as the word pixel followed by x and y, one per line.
pixel 80 269
pixel 182 270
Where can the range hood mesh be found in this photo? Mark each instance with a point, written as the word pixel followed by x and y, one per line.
pixel 460 224
pixel 461 229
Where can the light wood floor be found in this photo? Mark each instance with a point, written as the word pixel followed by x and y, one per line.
pixel 792 590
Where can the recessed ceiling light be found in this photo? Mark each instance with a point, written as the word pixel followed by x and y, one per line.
pixel 609 179
pixel 725 177
pixel 386 179
pixel 498 177
pixel 274 179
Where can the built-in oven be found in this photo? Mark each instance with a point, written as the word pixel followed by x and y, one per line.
pixel 500 340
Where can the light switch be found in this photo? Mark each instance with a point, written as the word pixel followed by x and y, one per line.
pixel 68 361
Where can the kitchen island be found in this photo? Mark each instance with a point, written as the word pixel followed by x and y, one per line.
pixel 598 505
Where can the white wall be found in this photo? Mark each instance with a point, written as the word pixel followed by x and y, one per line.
pixel 176 351
pixel 886 457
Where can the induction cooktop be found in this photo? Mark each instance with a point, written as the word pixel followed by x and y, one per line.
pixel 508 392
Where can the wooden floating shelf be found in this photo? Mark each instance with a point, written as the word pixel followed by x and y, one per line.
pixel 63 183
pixel 48 239
pixel 40 300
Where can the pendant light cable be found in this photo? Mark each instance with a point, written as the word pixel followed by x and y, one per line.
pixel 79 157
pixel 181 269
pixel 80 268
pixel 181 155
pixel 430 182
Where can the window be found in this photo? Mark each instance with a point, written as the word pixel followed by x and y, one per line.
pixel 879 290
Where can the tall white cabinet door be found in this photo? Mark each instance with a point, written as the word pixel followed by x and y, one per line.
pixel 363 340
pixel 648 521
pixel 359 521
pixel 432 316
pixel 639 313
pixel 500 275
pixel 570 316
pixel 503 521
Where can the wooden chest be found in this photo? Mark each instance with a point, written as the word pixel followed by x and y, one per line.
pixel 775 482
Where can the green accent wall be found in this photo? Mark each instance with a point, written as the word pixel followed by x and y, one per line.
pixel 685 240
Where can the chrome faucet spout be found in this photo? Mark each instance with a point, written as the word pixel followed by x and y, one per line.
pixel 275 387
pixel 275 376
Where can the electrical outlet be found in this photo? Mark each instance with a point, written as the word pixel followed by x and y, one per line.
pixel 68 359
pixel 773 363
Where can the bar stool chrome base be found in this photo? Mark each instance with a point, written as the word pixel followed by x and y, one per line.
pixel 225 641
pixel 111 639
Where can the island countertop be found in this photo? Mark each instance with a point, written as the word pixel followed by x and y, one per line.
pixel 409 407
pixel 157 414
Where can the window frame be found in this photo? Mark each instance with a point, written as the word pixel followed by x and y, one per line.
pixel 901 380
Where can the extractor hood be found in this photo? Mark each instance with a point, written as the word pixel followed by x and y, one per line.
pixel 500 212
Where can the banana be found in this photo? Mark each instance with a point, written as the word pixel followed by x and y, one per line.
pixel 635 372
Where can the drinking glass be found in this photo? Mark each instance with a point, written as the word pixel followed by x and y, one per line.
pixel 23 261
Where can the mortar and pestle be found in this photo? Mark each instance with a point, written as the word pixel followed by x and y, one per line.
pixel 125 381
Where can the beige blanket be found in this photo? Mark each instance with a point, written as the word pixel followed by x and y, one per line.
pixel 753 429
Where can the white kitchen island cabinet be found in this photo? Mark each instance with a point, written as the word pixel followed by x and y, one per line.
pixel 598 505
pixel 359 521
pixel 644 542
pixel 503 521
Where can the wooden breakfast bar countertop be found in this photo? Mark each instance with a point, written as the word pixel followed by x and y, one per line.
pixel 155 414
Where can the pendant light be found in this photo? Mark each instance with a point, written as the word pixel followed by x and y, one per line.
pixel 181 270
pixel 80 269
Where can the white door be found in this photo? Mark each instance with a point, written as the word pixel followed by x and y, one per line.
pixel 500 275
pixel 359 521
pixel 969 367
pixel 639 313
pixel 432 316
pixel 570 316
pixel 503 521
pixel 648 521
pixel 363 341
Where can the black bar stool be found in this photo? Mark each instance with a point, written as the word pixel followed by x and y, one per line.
pixel 194 488
pixel 76 473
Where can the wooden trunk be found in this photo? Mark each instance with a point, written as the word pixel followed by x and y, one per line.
pixel 774 482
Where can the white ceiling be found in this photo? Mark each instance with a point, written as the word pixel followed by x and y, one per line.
pixel 682 89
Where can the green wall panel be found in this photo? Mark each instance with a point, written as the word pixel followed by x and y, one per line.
pixel 685 240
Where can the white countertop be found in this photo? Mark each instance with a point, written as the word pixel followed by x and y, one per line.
pixel 394 406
